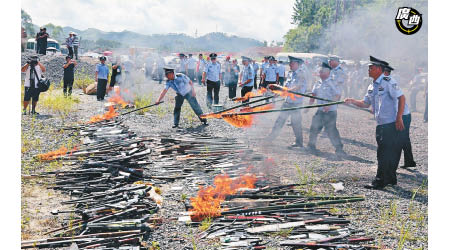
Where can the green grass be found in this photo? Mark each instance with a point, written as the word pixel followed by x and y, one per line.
pixel 143 100
pixel 82 79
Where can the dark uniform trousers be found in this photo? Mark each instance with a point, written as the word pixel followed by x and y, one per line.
pixel 326 120
pixel 296 120
pixel 244 91
pixel 101 88
pixel 210 88
pixel 232 86
pixel 404 137
pixel 68 83
pixel 388 153
pixel 179 100
pixel 281 80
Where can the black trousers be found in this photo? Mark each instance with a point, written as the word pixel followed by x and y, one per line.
pixel 68 83
pixel 210 88
pixel 232 87
pixel 406 146
pixel 325 120
pixel 255 85
pixel 244 91
pixel 179 100
pixel 31 93
pixel 281 79
pixel 388 153
pixel 101 89
pixel 70 52
pixel 75 51
pixel 296 120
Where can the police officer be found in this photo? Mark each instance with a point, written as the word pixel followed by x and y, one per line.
pixel 191 63
pixel 325 117
pixel 417 84
pixel 201 63
pixel 264 64
pixel 255 70
pixel 183 64
pixel 185 90
pixel 281 72
pixel 212 75
pixel 101 77
pixel 404 134
pixel 388 104
pixel 338 74
pixel 270 73
pixel 246 78
pixel 296 81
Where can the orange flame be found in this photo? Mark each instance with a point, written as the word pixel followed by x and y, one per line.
pixel 245 121
pixel 106 116
pixel 208 200
pixel 251 94
pixel 284 93
pixel 117 98
pixel 53 154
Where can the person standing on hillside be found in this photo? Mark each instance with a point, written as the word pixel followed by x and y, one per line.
pixel 69 44
pixel 76 44
pixel 69 67
pixel 101 77
pixel 42 39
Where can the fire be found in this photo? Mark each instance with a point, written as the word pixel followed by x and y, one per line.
pixel 284 93
pixel 53 154
pixel 251 94
pixel 240 121
pixel 208 200
pixel 117 98
pixel 212 115
pixel 106 116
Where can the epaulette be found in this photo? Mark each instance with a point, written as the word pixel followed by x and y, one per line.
pixel 387 78
pixel 179 74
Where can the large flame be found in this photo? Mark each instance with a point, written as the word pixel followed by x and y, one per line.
pixel 208 200
pixel 117 98
pixel 106 116
pixel 53 154
pixel 245 121
pixel 251 94
pixel 283 91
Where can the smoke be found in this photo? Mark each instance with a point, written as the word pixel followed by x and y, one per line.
pixel 372 31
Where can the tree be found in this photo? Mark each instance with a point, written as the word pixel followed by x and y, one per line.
pixel 27 23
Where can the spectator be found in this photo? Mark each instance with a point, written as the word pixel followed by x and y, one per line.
pixel 24 39
pixel 42 41
pixel 191 67
pixel 31 81
pixel 69 44
pixel 234 77
pixel 76 44
pixel 68 75
pixel 115 74
pixel 38 40
pixel 101 77
pixel 200 67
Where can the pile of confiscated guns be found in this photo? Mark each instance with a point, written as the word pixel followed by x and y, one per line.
pixel 306 221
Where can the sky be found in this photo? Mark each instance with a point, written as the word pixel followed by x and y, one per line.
pixel 259 19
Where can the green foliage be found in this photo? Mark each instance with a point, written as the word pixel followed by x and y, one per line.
pixel 55 101
pixel 82 79
pixel 27 23
pixel 143 100
pixel 205 224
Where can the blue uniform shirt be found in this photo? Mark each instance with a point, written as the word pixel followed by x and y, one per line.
pixel 102 70
pixel 255 68
pixel 281 70
pixel 183 63
pixel 338 75
pixel 326 89
pixel 180 84
pixel 383 95
pixel 212 71
pixel 248 73
pixel 264 65
pixel 271 73
pixel 294 79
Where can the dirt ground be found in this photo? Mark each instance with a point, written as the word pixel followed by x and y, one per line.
pixel 396 216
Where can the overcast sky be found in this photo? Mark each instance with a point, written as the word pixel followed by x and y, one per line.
pixel 260 19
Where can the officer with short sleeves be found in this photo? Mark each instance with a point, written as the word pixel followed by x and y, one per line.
pixel 185 91
pixel 212 76
pixel 325 117
pixel 388 105
pixel 246 78
pixel 338 74
pixel 270 73
pixel 296 81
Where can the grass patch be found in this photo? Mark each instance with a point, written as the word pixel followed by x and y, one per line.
pixel 142 101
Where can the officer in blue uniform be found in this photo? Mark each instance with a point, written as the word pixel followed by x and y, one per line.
pixel 183 64
pixel 212 76
pixel 263 66
pixel 406 148
pixel 338 74
pixel 185 90
pixel 246 78
pixel 325 117
pixel 270 73
pixel 388 105
pixel 296 81
pixel 255 70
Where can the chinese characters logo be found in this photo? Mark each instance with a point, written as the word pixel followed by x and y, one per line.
pixel 408 20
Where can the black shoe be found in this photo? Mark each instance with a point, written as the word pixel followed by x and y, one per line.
pixel 312 148
pixel 296 145
pixel 24 112
pixel 175 126
pixel 409 165
pixel 376 185
pixel 34 113
pixel 340 152
pixel 205 122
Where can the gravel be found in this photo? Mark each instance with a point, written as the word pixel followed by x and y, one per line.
pixel 381 215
